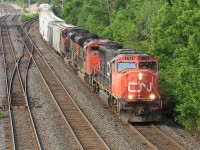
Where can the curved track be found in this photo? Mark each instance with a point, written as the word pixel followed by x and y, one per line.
pixel 9 13
pixel 82 130
pixel 23 133
pixel 6 104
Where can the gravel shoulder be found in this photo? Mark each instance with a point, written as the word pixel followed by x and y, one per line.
pixel 178 133
pixel 51 131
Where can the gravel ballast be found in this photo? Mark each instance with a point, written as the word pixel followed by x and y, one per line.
pixel 178 133
pixel 48 121
pixel 2 98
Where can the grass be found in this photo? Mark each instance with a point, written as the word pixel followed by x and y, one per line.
pixel 1 114
pixel 20 3
pixel 28 17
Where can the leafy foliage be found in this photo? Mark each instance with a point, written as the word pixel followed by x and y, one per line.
pixel 28 17
pixel 175 40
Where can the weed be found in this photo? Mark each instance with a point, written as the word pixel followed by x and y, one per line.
pixel 28 17
pixel 1 114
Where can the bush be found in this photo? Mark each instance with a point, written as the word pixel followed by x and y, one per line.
pixel 1 114
pixel 28 17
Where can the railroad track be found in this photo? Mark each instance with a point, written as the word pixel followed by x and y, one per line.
pixel 3 18
pixel 23 132
pixel 9 133
pixel 9 13
pixel 154 137
pixel 16 17
pixel 26 26
pixel 83 132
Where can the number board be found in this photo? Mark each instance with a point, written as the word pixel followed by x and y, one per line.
pixel 128 58
pixel 145 58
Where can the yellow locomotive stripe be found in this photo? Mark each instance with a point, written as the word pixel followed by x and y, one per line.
pixel 145 100
pixel 105 88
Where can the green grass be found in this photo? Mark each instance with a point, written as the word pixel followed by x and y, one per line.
pixel 1 114
pixel 20 3
pixel 28 17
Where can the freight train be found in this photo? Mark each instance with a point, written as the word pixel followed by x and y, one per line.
pixel 125 79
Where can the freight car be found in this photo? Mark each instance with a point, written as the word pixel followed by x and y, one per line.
pixel 125 79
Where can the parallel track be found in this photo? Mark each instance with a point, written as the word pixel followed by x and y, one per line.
pixel 3 18
pixel 21 119
pixel 82 130
pixel 9 133
pixel 155 138
pixel 16 17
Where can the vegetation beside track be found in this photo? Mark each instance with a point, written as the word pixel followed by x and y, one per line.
pixel 28 17
pixel 1 114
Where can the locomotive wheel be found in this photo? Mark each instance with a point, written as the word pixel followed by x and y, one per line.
pixel 94 87
pixel 75 71
pixel 111 102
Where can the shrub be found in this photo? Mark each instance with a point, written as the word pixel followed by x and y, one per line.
pixel 28 17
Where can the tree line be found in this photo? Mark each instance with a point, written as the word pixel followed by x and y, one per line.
pixel 166 29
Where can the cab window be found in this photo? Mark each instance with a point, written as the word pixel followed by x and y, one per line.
pixel 93 48
pixel 148 65
pixel 126 65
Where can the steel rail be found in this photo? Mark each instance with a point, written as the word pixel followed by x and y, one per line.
pixel 167 137
pixel 25 94
pixel 8 95
pixel 58 107
pixel 170 144
pixel 4 18
pixel 15 17
pixel 151 145
pixel 25 91
pixel 64 117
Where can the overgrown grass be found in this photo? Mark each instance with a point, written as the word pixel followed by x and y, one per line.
pixel 28 17
pixel 20 3
pixel 1 114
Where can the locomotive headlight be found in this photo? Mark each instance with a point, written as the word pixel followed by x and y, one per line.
pixel 152 96
pixel 140 75
pixel 130 96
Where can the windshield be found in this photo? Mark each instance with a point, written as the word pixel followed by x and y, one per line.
pixel 125 65
pixel 148 65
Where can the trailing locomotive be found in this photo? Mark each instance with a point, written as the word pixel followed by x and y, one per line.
pixel 125 79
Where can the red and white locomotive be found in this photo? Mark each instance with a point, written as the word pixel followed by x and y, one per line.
pixel 126 79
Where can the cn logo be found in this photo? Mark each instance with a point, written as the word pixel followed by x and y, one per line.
pixel 140 89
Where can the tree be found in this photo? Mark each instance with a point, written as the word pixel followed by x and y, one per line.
pixel 175 38
pixel 71 11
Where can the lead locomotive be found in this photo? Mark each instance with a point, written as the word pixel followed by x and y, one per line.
pixel 126 79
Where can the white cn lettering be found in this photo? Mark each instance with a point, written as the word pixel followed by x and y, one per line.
pixel 140 89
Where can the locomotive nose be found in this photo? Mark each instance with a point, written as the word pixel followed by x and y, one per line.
pixel 140 86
